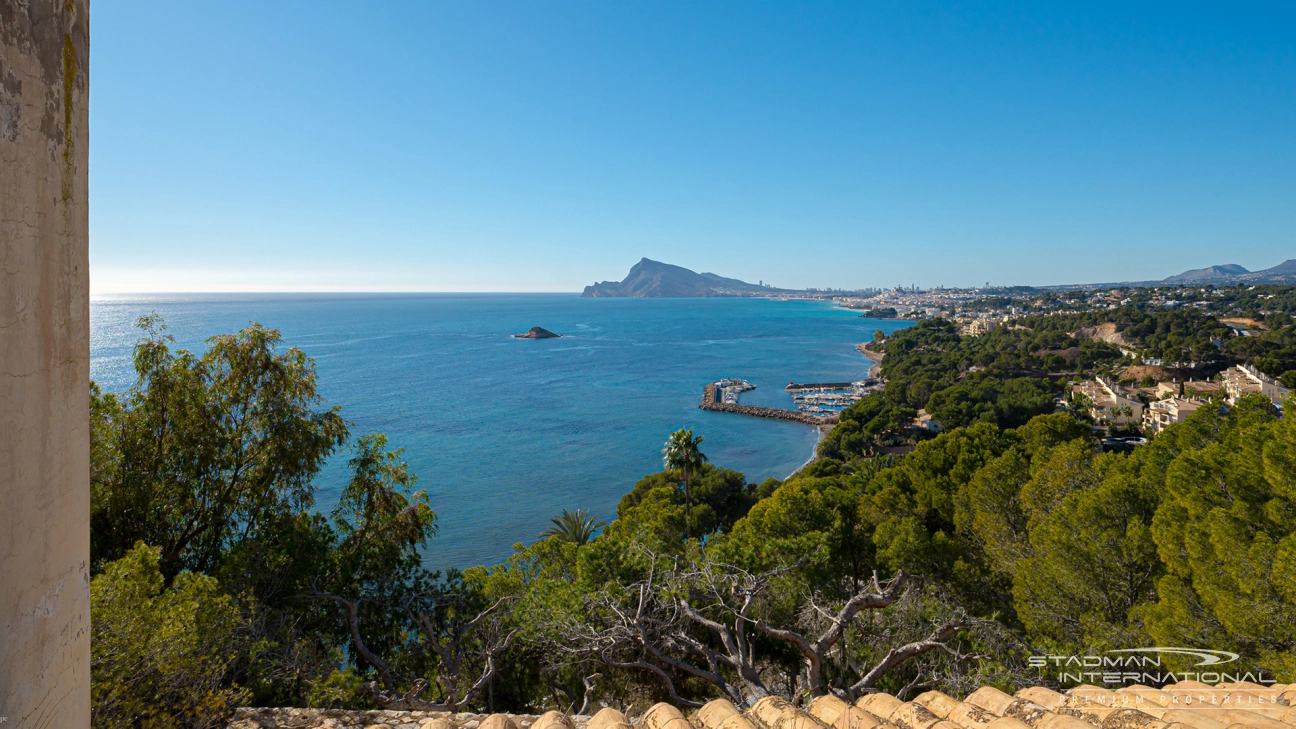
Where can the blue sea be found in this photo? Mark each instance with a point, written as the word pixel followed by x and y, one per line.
pixel 504 433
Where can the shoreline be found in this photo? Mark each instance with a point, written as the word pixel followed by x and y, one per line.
pixel 822 425
pixel 455 433
pixel 876 358
pixel 820 432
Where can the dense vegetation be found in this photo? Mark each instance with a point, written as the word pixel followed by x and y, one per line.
pixel 1176 336
pixel 1178 325
pixel 1273 352
pixel 216 583
pixel 1265 301
pixel 1004 377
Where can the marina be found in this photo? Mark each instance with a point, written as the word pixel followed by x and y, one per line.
pixel 714 398
pixel 728 390
pixel 816 403
pixel 830 398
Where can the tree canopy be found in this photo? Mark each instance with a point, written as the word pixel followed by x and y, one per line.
pixel 1009 531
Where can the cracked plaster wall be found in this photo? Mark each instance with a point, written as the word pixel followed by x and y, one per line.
pixel 44 365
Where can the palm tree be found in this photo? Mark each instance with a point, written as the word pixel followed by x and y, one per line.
pixel 682 454
pixel 577 527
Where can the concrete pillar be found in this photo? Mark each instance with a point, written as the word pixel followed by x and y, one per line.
pixel 44 364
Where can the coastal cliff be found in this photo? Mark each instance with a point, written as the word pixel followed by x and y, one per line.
pixel 653 280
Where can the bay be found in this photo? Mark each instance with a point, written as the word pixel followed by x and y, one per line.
pixel 504 433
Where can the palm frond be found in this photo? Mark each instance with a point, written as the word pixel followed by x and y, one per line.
pixel 577 527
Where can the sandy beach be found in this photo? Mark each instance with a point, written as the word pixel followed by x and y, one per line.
pixel 864 349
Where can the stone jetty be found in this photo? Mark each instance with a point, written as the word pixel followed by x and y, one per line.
pixel 798 386
pixel 711 402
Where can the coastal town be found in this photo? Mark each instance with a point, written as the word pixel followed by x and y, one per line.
pixel 319 408
pixel 1136 395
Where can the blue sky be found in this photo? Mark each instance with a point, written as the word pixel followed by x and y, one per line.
pixel 540 146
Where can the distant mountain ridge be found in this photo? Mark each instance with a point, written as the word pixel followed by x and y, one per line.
pixel 1284 272
pixel 1210 273
pixel 649 279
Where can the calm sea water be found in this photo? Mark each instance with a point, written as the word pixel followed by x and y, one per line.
pixel 504 433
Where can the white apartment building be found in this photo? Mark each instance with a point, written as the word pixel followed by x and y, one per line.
pixel 1246 379
pixel 1110 404
pixel 1167 412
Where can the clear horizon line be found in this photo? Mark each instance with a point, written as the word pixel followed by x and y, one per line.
pixel 314 291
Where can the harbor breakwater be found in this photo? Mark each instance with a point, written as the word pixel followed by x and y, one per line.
pixel 711 402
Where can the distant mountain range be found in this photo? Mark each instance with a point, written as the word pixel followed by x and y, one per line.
pixel 655 280
pixel 1230 273
pixel 650 279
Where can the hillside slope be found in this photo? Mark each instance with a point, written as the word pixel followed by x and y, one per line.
pixel 1223 272
pixel 1231 273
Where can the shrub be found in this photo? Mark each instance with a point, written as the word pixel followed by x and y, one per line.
pixel 160 656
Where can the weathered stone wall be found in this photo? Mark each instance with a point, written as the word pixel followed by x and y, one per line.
pixel 343 719
pixel 44 364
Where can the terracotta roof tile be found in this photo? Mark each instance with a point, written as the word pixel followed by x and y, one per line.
pixel 937 703
pixel 970 716
pixel 880 705
pixel 1049 720
pixel 1184 705
pixel 663 716
pixel 1095 715
pixel 498 721
pixel 721 714
pixel 1193 718
pixel 608 718
pixel 991 699
pixel 840 715
pixel 1047 698
pixel 772 712
pixel 1007 722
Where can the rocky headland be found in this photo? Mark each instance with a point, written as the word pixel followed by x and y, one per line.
pixel 655 280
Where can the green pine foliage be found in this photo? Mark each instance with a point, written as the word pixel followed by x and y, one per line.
pixel 1226 531
pixel 215 582
pixel 161 654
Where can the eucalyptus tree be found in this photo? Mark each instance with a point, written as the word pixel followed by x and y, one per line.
pixel 683 453
pixel 380 522
pixel 206 451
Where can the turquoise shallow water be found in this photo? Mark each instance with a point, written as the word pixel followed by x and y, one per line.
pixel 504 433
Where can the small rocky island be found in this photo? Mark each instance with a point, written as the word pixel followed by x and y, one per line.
pixel 537 333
